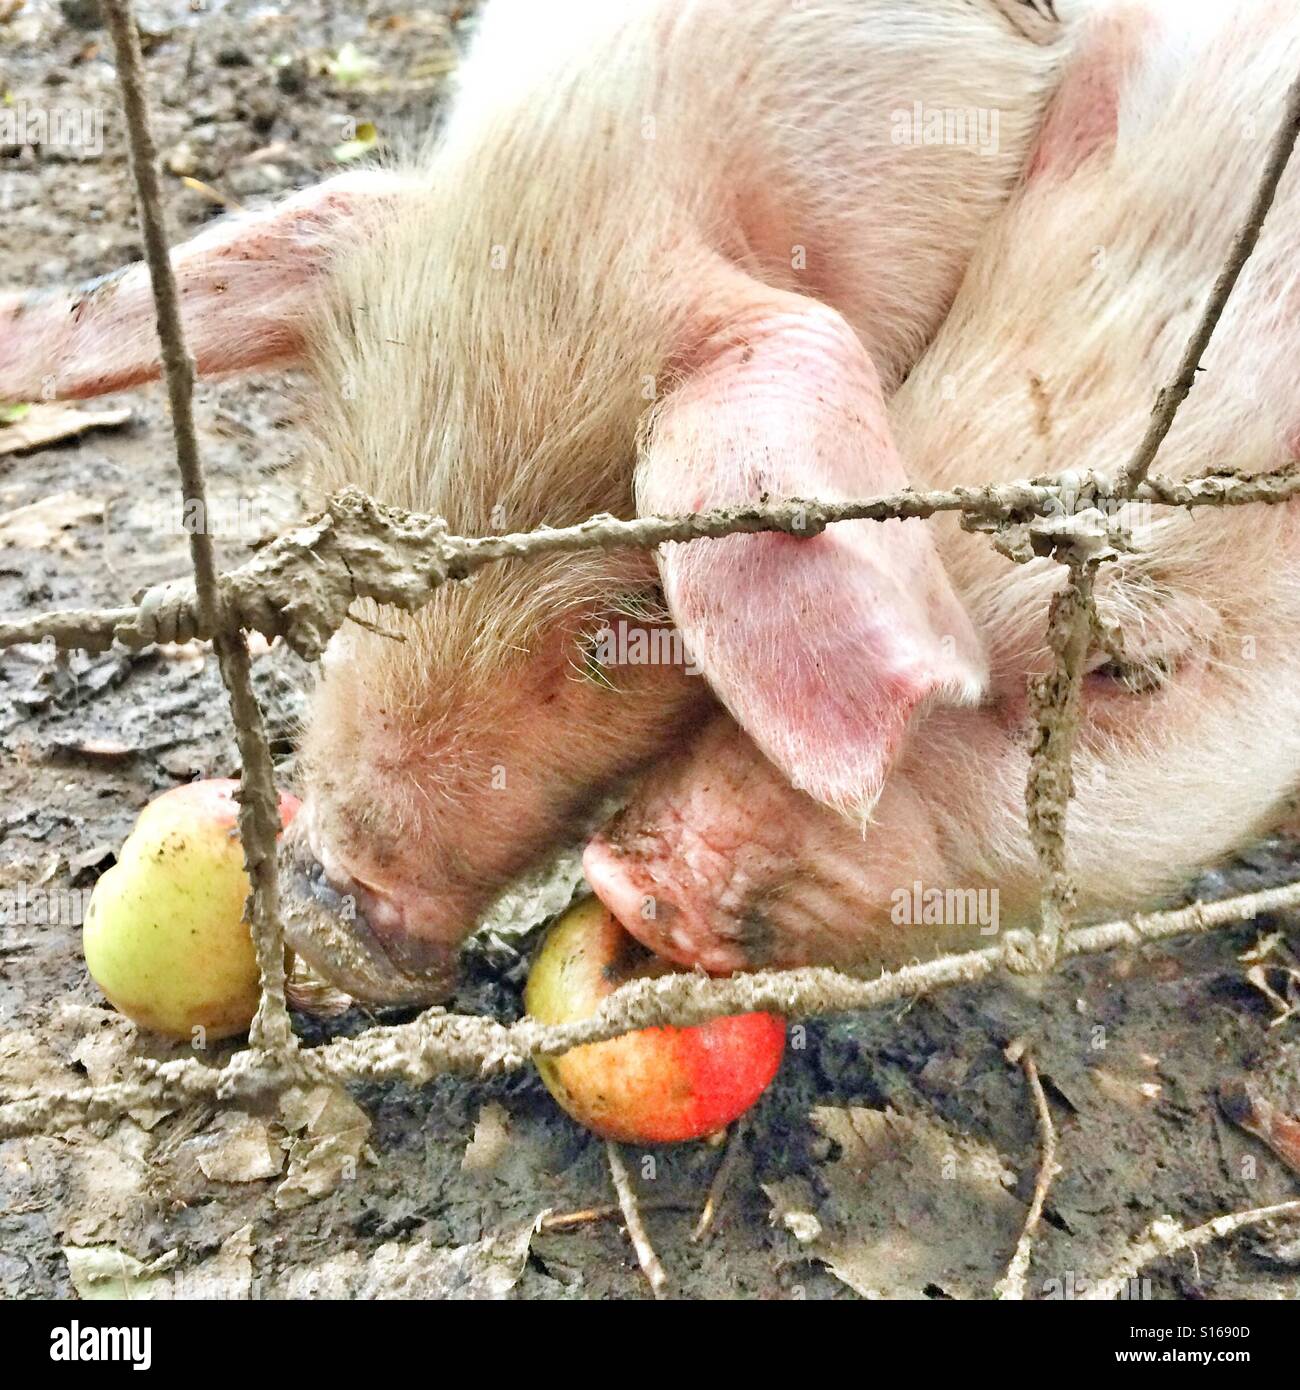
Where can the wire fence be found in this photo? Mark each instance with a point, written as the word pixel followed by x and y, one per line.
pixel 302 586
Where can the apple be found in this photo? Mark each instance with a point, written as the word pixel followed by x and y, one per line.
pixel 165 937
pixel 659 1085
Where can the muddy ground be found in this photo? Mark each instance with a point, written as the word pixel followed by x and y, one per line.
pixel 912 1176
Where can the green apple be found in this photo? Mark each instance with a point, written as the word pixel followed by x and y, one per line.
pixel 658 1085
pixel 165 936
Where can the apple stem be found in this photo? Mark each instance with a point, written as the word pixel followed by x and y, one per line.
pixel 627 1201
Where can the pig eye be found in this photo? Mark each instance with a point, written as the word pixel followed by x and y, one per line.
pixel 1128 677
pixel 589 663
pixel 646 602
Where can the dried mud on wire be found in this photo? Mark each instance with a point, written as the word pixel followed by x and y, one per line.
pixel 897 1151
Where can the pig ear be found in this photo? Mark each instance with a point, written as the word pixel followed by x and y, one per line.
pixel 244 287
pixel 821 648
pixel 1083 118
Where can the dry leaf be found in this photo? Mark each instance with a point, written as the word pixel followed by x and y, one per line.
pixel 227 1276
pixel 332 1147
pixel 234 1263
pixel 909 1208
pixel 41 525
pixel 44 424
pixel 491 1139
pixel 1246 1105
pixel 239 1148
pixel 91 858
pixel 487 1269
pixel 104 1272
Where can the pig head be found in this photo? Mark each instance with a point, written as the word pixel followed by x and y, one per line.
pixel 662 257
pixel 1073 316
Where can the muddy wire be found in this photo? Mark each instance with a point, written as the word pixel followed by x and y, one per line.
pixel 259 815
pixel 1170 400
pixel 1054 705
pixel 302 586
pixel 437 1042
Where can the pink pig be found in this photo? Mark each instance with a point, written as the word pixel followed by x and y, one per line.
pixel 663 256
pixel 1074 314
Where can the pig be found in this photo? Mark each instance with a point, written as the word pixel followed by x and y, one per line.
pixel 1074 314
pixel 662 256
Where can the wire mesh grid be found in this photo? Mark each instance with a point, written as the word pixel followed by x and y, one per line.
pixel 302 586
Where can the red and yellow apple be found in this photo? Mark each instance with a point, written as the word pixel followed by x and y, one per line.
pixel 165 937
pixel 658 1085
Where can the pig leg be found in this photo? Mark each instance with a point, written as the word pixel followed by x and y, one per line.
pixel 243 285
pixel 822 647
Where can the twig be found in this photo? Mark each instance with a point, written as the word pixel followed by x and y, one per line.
pixel 645 1252
pixel 1012 1285
pixel 1171 399
pixel 589 1216
pixel 1245 1104
pixel 436 1042
pixel 718 1188
pixel 259 815
pixel 1166 1237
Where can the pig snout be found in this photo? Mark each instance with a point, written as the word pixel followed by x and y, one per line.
pixel 358 936
pixel 425 792
pixel 719 863
pixel 691 869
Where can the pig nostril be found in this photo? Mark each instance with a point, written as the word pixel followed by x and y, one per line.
pixel 382 913
pixel 352 898
pixel 342 892
pixel 315 884
pixel 355 939
pixel 673 917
